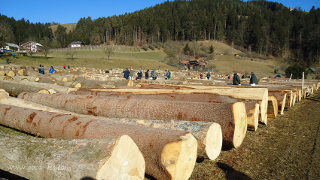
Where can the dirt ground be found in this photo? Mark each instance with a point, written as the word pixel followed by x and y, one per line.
pixel 287 148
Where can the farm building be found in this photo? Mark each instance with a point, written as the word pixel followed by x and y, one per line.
pixel 195 64
pixel 11 46
pixel 32 46
pixel 76 44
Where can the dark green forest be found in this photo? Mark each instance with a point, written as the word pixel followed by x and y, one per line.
pixel 267 28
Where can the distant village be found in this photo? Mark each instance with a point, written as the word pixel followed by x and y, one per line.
pixel 30 46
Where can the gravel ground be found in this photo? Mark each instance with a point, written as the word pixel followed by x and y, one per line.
pixel 287 148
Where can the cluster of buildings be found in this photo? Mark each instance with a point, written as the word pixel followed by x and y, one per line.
pixel 31 46
pixel 25 47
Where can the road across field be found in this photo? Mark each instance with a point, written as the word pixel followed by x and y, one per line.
pixel 288 148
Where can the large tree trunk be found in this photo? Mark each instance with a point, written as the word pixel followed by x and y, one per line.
pixel 42 158
pixel 260 94
pixel 169 154
pixel 15 88
pixel 231 116
pixel 252 106
pixel 208 134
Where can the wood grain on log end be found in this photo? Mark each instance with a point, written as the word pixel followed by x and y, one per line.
pixel 253 120
pixel 179 158
pixel 125 162
pixel 43 91
pixel 213 141
pixel 240 123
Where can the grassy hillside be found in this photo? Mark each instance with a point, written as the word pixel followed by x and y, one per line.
pixel 224 63
pixel 95 59
pixel 70 27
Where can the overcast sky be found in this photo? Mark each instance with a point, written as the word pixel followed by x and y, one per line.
pixel 70 11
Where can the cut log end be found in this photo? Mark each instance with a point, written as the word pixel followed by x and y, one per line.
pixel 283 104
pixel 179 158
pixel 125 162
pixel 240 123
pixel 213 141
pixel 43 91
pixel 253 121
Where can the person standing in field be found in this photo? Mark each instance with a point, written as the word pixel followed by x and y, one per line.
pixel 52 70
pixel 208 75
pixel 253 79
pixel 131 74
pixel 236 79
pixel 154 74
pixel 126 73
pixel 139 75
pixel 169 74
pixel 146 75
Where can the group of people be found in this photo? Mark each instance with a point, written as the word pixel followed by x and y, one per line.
pixel 208 76
pixel 64 67
pixel 41 69
pixel 128 74
pixel 253 79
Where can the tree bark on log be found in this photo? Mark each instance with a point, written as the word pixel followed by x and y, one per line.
pixel 169 154
pixel 208 134
pixel 42 158
pixel 231 116
pixel 252 106
pixel 15 88
pixel 260 94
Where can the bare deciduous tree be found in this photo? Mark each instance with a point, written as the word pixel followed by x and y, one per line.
pixel 108 51
pixel 70 52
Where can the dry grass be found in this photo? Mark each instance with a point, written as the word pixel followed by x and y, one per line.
pixel 96 59
pixel 126 56
pixel 227 64
pixel 70 27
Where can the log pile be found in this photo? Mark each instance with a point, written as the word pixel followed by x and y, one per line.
pixel 40 158
pixel 153 127
pixel 231 116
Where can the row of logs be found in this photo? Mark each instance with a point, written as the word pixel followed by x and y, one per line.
pixel 159 121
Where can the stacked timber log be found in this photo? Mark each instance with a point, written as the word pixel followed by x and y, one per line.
pixel 259 94
pixel 231 116
pixel 169 154
pixel 16 87
pixel 42 158
pixel 252 106
pixel 209 135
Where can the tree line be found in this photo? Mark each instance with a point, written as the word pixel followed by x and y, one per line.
pixel 267 28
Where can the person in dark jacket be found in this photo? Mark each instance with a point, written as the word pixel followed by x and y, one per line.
pixel 236 79
pixel 139 75
pixel 146 75
pixel 253 79
pixel 208 75
pixel 126 74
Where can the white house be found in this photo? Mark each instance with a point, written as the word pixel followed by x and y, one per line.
pixel 11 46
pixel 76 44
pixel 32 46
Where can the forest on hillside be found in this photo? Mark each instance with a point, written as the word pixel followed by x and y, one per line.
pixel 267 28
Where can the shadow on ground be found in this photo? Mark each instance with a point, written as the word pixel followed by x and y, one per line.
pixel 231 173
